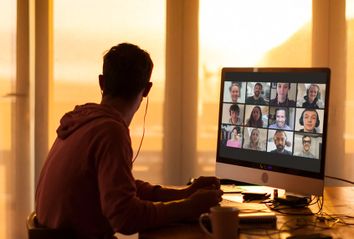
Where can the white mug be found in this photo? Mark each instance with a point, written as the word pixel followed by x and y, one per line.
pixel 224 222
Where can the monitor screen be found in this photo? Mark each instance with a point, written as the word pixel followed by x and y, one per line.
pixel 272 127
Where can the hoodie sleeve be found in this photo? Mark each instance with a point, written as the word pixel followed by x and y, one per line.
pixel 126 212
pixel 146 191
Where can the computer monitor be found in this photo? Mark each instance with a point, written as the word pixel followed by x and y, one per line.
pixel 272 127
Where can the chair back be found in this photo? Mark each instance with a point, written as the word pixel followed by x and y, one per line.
pixel 37 231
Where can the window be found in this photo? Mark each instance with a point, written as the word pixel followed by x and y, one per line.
pixel 79 46
pixel 7 83
pixel 233 35
pixel 350 84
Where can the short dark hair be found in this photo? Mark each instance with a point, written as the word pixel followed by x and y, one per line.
pixel 234 108
pixel 127 70
pixel 301 119
pixel 279 109
pixel 305 136
pixel 259 85
pixel 278 131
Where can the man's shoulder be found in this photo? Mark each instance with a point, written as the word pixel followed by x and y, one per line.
pixel 273 126
pixel 273 101
pixel 320 103
pixel 261 99
pixel 310 155
pixel 249 99
pixel 292 103
pixel 287 127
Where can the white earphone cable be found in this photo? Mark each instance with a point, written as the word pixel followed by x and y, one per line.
pixel 142 137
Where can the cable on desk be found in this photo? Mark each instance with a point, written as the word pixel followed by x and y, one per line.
pixel 302 223
pixel 336 218
pixel 287 227
pixel 320 222
pixel 327 222
pixel 340 179
pixel 280 208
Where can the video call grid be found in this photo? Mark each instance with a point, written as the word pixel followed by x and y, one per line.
pixel 297 103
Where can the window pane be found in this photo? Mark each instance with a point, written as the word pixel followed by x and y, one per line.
pixel 83 31
pixel 238 33
pixel 349 135
pixel 7 81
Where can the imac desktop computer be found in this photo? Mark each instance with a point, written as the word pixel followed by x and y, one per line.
pixel 272 127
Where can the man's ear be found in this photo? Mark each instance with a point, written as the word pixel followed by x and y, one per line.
pixel 101 81
pixel 147 89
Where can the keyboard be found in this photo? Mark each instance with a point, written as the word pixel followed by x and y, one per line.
pixel 230 188
pixel 252 214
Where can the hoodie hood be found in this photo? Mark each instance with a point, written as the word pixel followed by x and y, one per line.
pixel 83 114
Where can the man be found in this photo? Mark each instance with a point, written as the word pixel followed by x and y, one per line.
pixel 310 120
pixel 306 148
pixel 280 120
pixel 86 184
pixel 256 99
pixel 280 140
pixel 234 111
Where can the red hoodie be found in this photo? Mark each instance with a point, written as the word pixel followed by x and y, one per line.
pixel 86 183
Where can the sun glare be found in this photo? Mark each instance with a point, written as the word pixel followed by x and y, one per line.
pixel 248 28
pixel 349 9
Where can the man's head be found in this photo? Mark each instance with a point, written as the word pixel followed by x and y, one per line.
pixel 306 143
pixel 257 89
pixel 280 117
pixel 279 140
pixel 234 112
pixel 126 72
pixel 309 119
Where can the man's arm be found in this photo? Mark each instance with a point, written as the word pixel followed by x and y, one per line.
pixel 158 193
pixel 126 212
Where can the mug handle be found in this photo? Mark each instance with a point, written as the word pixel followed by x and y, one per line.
pixel 202 218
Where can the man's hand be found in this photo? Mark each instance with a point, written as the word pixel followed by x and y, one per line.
pixel 203 199
pixel 204 183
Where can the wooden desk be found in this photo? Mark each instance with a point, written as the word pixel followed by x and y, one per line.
pixel 337 200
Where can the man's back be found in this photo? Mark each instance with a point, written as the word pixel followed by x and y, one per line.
pixel 68 191
pixel 86 183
